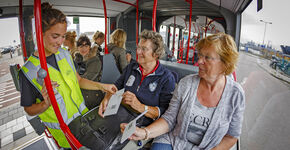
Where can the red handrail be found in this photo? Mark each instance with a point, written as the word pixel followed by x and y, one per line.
pixel 235 76
pixel 154 16
pixel 137 25
pixel 125 2
pixel 74 143
pixel 206 28
pixel 22 31
pixel 137 18
pixel 173 40
pixel 105 13
pixel 189 30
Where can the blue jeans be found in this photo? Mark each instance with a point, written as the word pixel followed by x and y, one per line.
pixel 161 146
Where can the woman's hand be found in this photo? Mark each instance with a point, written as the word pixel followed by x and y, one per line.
pixel 139 133
pixel 111 88
pixel 103 106
pixel 130 98
pixel 45 95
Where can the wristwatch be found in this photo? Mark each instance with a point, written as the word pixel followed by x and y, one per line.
pixel 146 107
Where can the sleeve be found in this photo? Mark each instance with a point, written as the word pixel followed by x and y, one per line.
pixel 166 94
pixel 28 91
pixel 93 69
pixel 235 126
pixel 171 113
pixel 122 60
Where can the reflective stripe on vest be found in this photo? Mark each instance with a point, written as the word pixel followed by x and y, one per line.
pixel 30 71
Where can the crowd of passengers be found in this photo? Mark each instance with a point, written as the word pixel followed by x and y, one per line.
pixel 202 111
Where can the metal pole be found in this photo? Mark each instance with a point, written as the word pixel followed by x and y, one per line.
pixel 38 27
pixel 137 25
pixel 106 26
pixel 173 41
pixel 264 32
pixel 189 30
pixel 266 22
pixel 154 16
pixel 215 19
pixel 137 18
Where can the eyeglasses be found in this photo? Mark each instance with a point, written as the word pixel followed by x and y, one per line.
pixel 206 58
pixel 143 49
pixel 83 45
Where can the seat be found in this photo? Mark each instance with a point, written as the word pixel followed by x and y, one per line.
pixel 181 70
pixel 110 71
pixel 175 76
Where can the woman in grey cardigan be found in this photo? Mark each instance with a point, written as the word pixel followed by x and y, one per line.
pixel 206 110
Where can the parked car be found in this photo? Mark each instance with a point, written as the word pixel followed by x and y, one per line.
pixel 7 50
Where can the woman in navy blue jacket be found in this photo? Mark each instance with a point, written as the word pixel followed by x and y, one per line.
pixel 148 85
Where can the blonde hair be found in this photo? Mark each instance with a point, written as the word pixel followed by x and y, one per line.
pixel 119 37
pixel 71 37
pixel 225 47
pixel 97 35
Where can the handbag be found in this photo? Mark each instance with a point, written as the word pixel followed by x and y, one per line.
pixel 99 133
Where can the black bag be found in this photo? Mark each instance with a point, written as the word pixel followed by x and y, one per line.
pixel 93 98
pixel 99 133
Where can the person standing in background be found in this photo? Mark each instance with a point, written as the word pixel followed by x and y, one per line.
pixel 70 42
pixel 117 48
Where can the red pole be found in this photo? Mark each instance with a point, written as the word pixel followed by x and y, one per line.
pixel 173 41
pixel 124 2
pixel 154 16
pixel 22 31
pixel 235 76
pixel 71 139
pixel 105 12
pixel 137 18
pixel 206 28
pixel 189 30
pixel 137 25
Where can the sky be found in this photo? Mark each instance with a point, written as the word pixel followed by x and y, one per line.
pixel 275 11
pixel 9 31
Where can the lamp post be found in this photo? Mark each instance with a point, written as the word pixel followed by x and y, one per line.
pixel 266 22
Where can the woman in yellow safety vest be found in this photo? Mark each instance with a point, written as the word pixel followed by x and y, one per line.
pixel 66 82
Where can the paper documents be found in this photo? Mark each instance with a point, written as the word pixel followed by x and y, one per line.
pixel 131 127
pixel 114 103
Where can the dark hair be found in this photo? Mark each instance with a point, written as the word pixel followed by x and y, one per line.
pixel 83 39
pixel 128 52
pixel 50 16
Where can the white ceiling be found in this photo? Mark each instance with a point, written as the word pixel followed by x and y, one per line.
pixel 95 7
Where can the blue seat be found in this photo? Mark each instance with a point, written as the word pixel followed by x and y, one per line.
pixel 110 71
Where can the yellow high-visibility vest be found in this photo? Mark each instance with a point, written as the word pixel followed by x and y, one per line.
pixel 69 97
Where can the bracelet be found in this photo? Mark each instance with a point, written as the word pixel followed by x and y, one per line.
pixel 147 133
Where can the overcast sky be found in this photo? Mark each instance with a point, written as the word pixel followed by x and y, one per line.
pixel 275 11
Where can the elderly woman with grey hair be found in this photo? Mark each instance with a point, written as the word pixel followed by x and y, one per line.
pixel 206 111
pixel 148 84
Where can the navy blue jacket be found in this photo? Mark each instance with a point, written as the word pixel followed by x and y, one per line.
pixel 156 89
